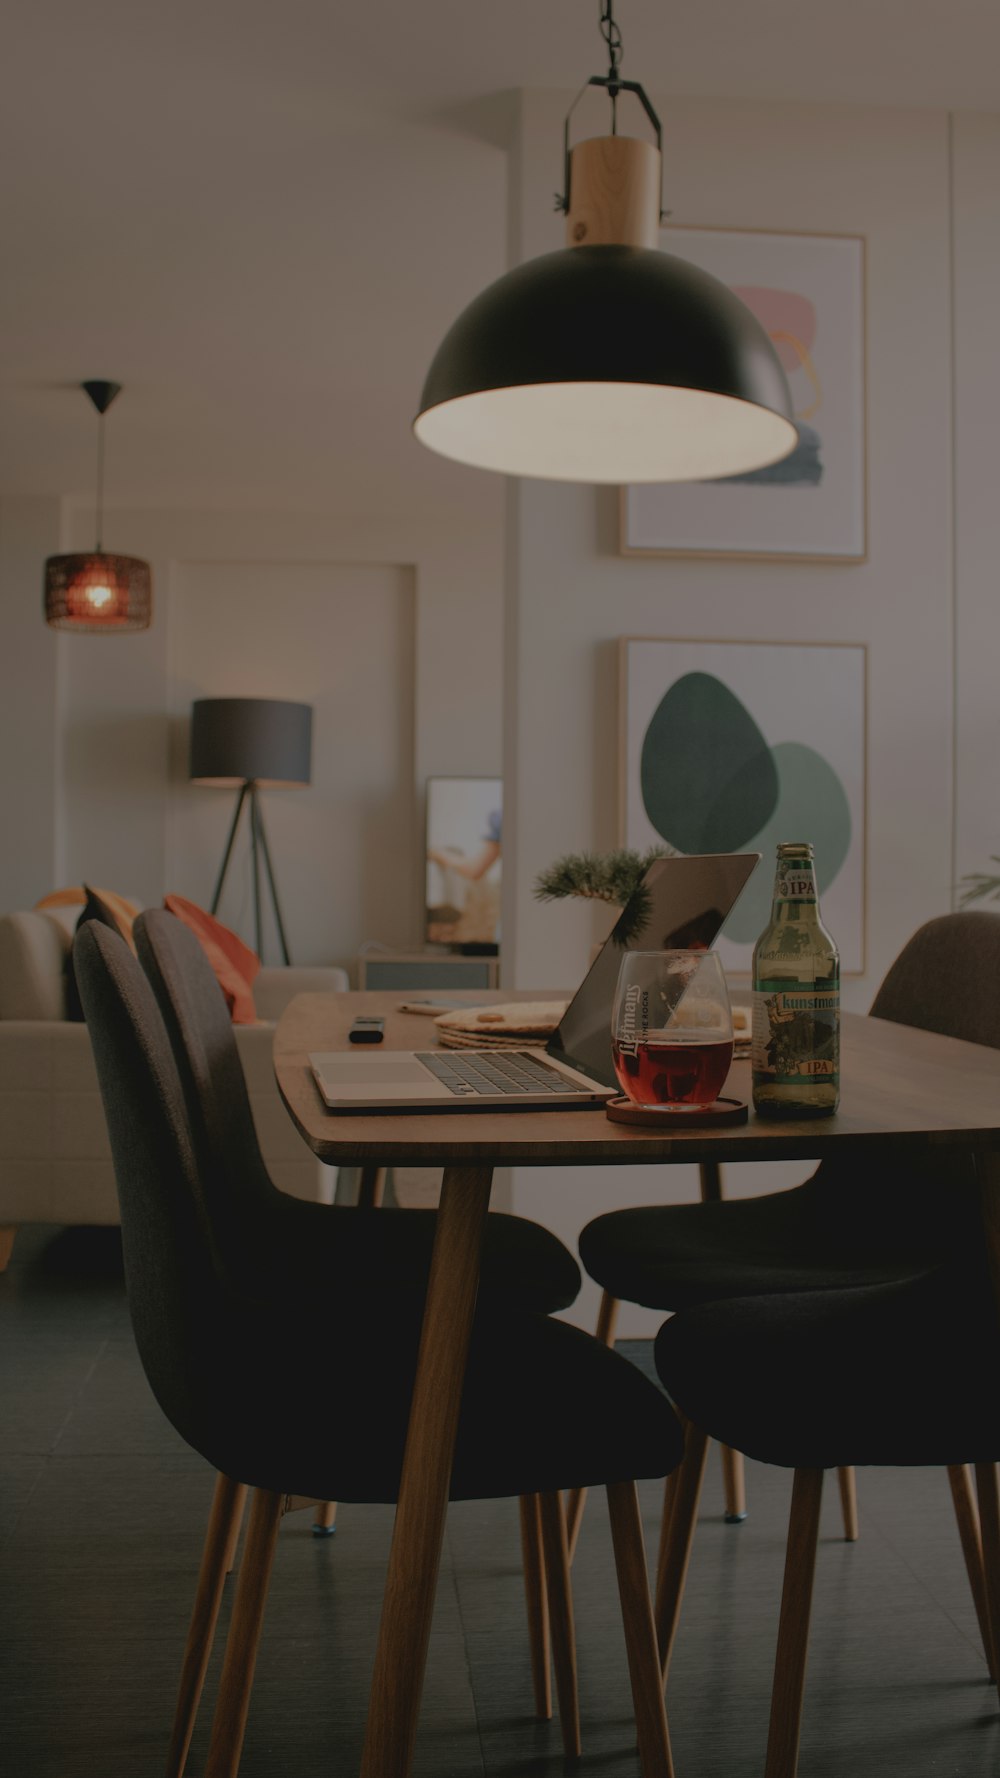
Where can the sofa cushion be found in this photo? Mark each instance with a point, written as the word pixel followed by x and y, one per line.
pixel 234 963
pixel 34 949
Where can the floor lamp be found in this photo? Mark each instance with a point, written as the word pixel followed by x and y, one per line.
pixel 251 742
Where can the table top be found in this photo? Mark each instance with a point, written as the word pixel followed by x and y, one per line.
pixel 901 1089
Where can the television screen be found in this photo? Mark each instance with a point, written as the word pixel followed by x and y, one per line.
pixel 463 862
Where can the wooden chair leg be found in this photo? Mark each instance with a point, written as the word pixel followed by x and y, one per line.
pixel 640 1631
pixel 220 1541
pixel 325 1523
pixel 989 1524
pixel 849 1503
pixel 537 1601
pixel 236 1683
pixel 675 1542
pixel 6 1247
pixel 793 1626
pixel 734 1485
pixel 607 1316
pixel 235 1527
pixel 556 1549
pixel 371 1187
pixel 967 1520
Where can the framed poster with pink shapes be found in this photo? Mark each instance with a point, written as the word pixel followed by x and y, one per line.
pixel 808 292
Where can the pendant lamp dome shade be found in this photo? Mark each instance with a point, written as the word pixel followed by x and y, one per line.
pixel 608 364
pixel 609 360
pixel 95 591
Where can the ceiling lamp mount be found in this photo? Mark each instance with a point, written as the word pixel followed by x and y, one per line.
pixel 98 592
pixel 608 360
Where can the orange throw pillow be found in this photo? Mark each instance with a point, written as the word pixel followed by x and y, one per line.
pixel 234 963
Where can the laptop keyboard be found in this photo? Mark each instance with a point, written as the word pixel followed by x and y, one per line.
pixel 511 1071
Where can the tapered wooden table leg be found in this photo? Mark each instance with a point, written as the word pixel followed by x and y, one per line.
pixel 418 1532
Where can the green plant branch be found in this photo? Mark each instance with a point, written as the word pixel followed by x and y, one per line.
pixel 981 884
pixel 611 876
pixel 614 877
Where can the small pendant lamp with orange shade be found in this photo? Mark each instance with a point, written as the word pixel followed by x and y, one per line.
pixel 96 591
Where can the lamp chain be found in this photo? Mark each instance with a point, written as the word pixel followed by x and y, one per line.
pixel 611 33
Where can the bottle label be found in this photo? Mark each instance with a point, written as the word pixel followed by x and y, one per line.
pixel 796 1034
pixel 795 882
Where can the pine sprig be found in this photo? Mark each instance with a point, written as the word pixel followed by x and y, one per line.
pixel 981 884
pixel 612 876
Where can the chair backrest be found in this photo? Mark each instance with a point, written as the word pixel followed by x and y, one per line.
pixel 194 1011
pixel 177 1297
pixel 947 979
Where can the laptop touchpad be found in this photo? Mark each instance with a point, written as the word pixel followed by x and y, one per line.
pixel 387 1070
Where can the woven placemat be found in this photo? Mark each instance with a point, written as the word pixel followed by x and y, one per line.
pixel 512 1025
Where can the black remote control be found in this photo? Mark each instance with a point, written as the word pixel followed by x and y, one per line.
pixel 366 1031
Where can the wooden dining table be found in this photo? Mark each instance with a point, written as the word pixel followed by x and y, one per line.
pixel 903 1092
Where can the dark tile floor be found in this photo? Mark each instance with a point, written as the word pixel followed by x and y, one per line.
pixel 101 1517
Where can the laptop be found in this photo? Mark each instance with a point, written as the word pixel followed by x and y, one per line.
pixel 680 904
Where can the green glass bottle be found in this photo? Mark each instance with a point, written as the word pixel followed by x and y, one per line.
pixel 796 998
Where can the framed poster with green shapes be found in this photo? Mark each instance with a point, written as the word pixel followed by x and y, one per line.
pixel 735 746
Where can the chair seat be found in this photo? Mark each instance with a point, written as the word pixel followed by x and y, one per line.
pixel 886 1374
pixel 524 1266
pixel 543 1406
pixel 833 1232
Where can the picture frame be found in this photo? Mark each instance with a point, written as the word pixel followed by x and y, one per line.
pixel 809 293
pixel 462 863
pixel 737 746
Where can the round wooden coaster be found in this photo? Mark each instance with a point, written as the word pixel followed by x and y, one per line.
pixel 724 1111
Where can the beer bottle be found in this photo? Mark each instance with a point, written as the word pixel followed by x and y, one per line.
pixel 796 998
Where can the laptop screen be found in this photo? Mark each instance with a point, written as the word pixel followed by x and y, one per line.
pixel 680 905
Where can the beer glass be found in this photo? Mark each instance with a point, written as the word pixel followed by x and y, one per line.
pixel 672 1029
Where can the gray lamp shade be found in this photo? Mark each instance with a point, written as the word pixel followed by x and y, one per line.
pixel 261 740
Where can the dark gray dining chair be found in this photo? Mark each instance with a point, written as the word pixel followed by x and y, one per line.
pixel 844 1226
pixel 524 1266
pixel 236 1353
pixel 888 1374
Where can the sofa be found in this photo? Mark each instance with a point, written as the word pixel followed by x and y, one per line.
pixel 55 1160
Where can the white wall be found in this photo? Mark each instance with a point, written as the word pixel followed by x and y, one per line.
pixel 340 639
pixel 976 219
pixel 29 531
pixel 816 169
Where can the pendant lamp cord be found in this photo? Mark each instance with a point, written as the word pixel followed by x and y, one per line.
pixel 611 33
pixel 100 480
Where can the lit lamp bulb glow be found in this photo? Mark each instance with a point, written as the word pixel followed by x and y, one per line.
pixel 99 596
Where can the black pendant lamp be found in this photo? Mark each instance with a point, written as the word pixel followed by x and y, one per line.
pixel 609 360
pixel 97 591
